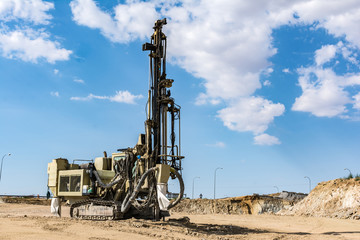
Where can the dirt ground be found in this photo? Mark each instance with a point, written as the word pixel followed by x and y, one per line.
pixel 24 221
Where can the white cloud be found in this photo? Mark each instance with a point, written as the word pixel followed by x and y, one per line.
pixel 349 53
pixel 19 39
pixel 266 139
pixel 125 97
pixel 217 145
pixel 324 93
pixel 340 18
pixel 219 42
pixel 286 70
pixel 252 114
pixel 228 54
pixel 268 71
pixel 357 101
pixel 56 71
pixel 78 80
pixel 34 11
pixel 267 83
pixel 30 46
pixel 325 54
pixel 131 21
pixel 120 96
pixel 202 99
pixel 88 98
pixel 227 44
pixel 55 94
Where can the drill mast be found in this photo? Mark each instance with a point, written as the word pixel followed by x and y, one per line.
pixel 162 109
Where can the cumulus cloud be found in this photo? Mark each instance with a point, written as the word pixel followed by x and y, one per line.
pixel 267 83
pixel 34 11
pixel 131 21
pixel 228 53
pixel 323 92
pixel 56 71
pixel 227 44
pixel 339 18
pixel 30 46
pixel 266 139
pixel 120 97
pixel 125 97
pixel 252 114
pixel 322 95
pixel 23 41
pixel 357 101
pixel 325 54
pixel 286 70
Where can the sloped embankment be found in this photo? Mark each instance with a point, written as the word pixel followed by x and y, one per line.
pixel 255 204
pixel 339 198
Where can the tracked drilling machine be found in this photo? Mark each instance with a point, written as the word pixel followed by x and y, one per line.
pixel 133 181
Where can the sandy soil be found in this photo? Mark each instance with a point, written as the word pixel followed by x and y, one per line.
pixel 22 221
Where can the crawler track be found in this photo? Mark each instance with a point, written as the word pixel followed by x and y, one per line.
pixel 95 209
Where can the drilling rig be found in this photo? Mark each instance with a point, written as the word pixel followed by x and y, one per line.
pixel 132 182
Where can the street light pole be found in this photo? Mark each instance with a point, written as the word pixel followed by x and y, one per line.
pixel 349 171
pixel 2 160
pixel 309 183
pixel 193 186
pixel 215 180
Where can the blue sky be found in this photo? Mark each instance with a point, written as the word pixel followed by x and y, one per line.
pixel 269 90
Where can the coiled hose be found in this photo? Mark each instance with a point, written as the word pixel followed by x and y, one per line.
pixel 182 188
pixel 131 196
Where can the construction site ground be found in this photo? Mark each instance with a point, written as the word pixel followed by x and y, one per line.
pixel 29 221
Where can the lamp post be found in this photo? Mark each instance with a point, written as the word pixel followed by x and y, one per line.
pixel 193 186
pixel 309 183
pixel 215 180
pixel 349 171
pixel 2 160
pixel 277 188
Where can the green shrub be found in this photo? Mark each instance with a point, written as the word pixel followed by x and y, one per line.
pixel 350 176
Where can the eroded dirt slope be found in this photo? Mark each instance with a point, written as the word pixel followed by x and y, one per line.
pixel 255 204
pixel 339 198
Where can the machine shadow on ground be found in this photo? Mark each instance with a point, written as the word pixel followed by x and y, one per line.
pixel 216 229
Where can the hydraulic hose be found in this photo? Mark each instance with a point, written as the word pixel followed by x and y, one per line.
pixel 182 188
pixel 102 184
pixel 131 196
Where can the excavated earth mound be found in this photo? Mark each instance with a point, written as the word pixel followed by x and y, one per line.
pixel 25 200
pixel 339 198
pixel 255 204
